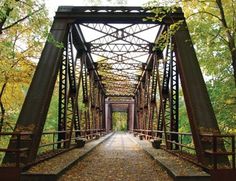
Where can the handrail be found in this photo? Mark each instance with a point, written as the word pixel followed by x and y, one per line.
pixel 20 137
pixel 18 150
pixel 215 153
pixel 214 137
pixel 15 133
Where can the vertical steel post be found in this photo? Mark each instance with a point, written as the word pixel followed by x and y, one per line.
pixel 135 113
pixel 174 97
pixel 63 100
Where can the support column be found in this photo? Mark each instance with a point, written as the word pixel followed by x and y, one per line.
pixel 128 118
pixel 106 116
pixel 200 112
pixel 34 111
pixel 131 116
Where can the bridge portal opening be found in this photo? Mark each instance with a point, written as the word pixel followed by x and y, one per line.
pixel 119 121
pixel 119 113
pixel 120 117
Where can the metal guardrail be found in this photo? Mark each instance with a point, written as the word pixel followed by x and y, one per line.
pixel 215 152
pixel 155 134
pixel 19 136
pixel 215 139
pixel 18 150
pixel 88 134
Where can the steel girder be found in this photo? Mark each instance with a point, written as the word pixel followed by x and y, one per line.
pixel 168 82
pixel 117 14
pixel 68 117
pixel 120 50
pixel 68 95
pixel 34 111
pixel 200 112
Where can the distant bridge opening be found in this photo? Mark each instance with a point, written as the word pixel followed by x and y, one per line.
pixel 119 121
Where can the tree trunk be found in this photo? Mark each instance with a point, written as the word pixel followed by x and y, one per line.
pixel 230 37
pixel 2 116
pixel 233 55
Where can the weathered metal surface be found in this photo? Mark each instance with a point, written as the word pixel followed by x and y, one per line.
pixel 225 174
pixel 10 173
pixel 35 107
pixel 68 112
pixel 117 14
pixel 200 112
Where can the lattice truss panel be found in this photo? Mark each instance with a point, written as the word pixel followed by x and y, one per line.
pixel 120 52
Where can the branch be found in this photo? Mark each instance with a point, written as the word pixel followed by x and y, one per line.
pixel 14 46
pixel 10 126
pixel 18 60
pixel 220 6
pixel 226 42
pixel 234 19
pixel 7 10
pixel 22 19
pixel 215 36
pixel 205 12
pixel 2 116
pixel 218 34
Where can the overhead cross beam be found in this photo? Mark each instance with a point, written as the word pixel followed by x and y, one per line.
pixel 117 14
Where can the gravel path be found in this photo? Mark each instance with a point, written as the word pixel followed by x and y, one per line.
pixel 117 159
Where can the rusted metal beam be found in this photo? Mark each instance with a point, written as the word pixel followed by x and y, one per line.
pixel 200 112
pixel 174 97
pixel 120 102
pixel 82 46
pixel 154 54
pixel 68 112
pixel 34 111
pixel 117 14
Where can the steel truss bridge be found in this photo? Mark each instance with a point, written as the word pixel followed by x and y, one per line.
pixel 109 59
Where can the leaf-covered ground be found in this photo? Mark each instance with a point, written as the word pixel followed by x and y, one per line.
pixel 117 159
pixel 58 163
pixel 175 164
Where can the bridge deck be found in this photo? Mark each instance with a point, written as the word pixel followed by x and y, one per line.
pixel 118 158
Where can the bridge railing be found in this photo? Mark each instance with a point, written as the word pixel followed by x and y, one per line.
pixel 17 151
pixel 45 146
pixel 186 147
pixel 184 143
pixel 53 136
pixel 215 152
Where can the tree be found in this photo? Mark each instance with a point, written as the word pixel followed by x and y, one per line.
pixel 218 17
pixel 12 13
pixel 20 43
pixel 119 121
pixel 212 25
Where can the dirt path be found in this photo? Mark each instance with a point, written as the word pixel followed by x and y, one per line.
pixel 117 159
